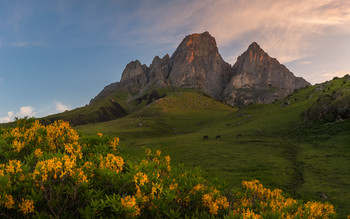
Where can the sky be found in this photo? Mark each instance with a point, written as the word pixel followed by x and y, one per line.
pixel 56 55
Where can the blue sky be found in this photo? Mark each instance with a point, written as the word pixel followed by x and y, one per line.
pixel 58 54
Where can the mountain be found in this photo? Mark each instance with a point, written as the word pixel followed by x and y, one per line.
pixel 258 78
pixel 197 63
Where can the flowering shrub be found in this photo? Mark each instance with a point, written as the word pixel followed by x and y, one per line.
pixel 49 171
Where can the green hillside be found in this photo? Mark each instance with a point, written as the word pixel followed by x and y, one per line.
pixel 114 106
pixel 279 144
pixel 300 143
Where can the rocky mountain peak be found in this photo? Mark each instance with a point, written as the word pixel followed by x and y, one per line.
pixel 197 63
pixel 132 70
pixel 197 44
pixel 258 78
pixel 254 55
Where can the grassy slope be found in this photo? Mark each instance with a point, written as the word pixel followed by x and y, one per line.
pixel 276 147
pixel 92 113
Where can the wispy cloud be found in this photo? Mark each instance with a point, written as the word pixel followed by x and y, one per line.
pixel 286 29
pixel 26 111
pixel 61 107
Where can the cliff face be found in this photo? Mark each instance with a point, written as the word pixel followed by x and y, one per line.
pixel 258 78
pixel 196 63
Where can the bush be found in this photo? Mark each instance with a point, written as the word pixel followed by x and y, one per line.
pixel 49 171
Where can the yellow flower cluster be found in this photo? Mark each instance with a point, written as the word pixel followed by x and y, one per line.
pixel 173 186
pixel 14 166
pixel 129 203
pixel 27 206
pixel 214 202
pixel 112 162
pixel 38 152
pixel 7 201
pixel 140 179
pixel 114 143
pixel 265 200
pixel 58 168
pixel 57 136
pixel 319 209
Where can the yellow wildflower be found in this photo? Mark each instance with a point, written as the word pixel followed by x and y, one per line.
pixel 129 202
pixel 9 201
pixel 18 145
pixel 38 152
pixel 99 135
pixel 173 186
pixel 27 206
pixel 112 162
pixel 114 143
pixel 140 179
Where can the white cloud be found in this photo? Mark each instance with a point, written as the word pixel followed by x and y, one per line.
pixel 23 112
pixel 61 107
pixel 26 111
pixel 7 118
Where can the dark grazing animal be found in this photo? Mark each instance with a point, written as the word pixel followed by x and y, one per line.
pixel 239 135
pixel 205 137
pixel 218 137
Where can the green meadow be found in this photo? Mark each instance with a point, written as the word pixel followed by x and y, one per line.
pixel 274 143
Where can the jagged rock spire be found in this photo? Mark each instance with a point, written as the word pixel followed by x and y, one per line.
pixel 196 63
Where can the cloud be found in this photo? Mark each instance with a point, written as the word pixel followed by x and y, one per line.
pixel 286 29
pixel 24 111
pixel 61 107
pixel 7 118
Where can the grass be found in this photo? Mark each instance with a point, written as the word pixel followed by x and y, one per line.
pixel 272 143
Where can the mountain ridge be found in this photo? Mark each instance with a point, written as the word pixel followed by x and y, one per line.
pixel 197 63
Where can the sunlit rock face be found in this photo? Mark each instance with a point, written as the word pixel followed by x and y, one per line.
pixel 196 63
pixel 258 78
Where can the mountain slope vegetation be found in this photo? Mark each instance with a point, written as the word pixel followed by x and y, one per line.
pixel 281 144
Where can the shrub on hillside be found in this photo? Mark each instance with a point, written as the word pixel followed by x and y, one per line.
pixel 49 171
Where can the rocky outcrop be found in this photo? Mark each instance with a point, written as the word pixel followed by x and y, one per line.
pixel 134 76
pixel 196 63
pixel 159 70
pixel 258 78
